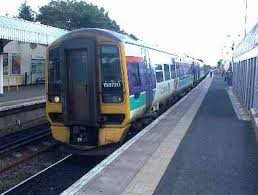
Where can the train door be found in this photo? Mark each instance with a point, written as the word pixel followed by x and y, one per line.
pixel 150 82
pixel 173 73
pixel 78 84
pixel 81 86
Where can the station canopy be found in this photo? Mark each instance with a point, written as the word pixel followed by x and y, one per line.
pixel 25 31
pixel 249 42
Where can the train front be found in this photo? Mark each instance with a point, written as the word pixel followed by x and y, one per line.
pixel 86 86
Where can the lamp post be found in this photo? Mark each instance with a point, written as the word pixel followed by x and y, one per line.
pixel 1 68
pixel 228 50
pixel 245 16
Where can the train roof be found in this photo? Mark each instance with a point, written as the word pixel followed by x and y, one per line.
pixel 125 39
pixel 249 42
pixel 114 35
pixel 120 38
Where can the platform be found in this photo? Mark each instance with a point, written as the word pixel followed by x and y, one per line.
pixel 198 146
pixel 24 96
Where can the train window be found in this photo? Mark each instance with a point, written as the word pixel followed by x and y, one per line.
pixel 54 79
pixel 110 63
pixel 111 77
pixel 77 57
pixel 54 69
pixel 187 70
pixel 177 70
pixel 167 73
pixel 173 72
pixel 136 74
pixel 181 70
pixel 159 73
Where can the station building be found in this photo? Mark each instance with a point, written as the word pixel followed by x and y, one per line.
pixel 23 63
pixel 23 51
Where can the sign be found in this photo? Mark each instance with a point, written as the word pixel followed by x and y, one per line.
pixel 16 63
pixel 38 68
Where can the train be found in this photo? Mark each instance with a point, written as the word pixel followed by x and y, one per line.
pixel 245 70
pixel 100 82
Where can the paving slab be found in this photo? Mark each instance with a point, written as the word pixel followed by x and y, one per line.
pixel 24 95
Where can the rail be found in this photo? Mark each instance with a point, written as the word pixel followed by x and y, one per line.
pixel 19 147
pixel 14 140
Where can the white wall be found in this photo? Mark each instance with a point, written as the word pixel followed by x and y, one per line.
pixel 26 53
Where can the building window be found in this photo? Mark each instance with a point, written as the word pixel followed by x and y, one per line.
pixel 16 64
pixel 5 64
pixel 159 73
pixel 38 64
pixel 136 74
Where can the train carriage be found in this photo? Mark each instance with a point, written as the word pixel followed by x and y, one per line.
pixel 100 81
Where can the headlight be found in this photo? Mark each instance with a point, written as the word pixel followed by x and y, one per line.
pixel 56 99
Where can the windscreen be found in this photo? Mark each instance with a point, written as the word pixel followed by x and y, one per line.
pixel 111 77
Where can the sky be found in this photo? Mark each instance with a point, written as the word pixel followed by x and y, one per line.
pixel 200 28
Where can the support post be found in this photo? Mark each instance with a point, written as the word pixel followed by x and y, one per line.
pixel 1 75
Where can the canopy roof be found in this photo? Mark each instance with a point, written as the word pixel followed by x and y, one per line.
pixel 25 31
pixel 249 42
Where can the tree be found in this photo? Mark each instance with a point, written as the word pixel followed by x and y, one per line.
pixel 71 14
pixel 133 37
pixel 26 13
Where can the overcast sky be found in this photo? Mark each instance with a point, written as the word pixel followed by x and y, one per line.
pixel 196 27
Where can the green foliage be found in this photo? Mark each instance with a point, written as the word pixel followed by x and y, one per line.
pixel 25 12
pixel 133 37
pixel 71 14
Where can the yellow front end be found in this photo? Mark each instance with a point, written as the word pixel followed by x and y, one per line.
pixel 107 133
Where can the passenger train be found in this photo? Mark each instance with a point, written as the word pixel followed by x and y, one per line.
pixel 99 82
pixel 245 69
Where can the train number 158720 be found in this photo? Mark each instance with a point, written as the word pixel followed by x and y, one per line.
pixel 112 85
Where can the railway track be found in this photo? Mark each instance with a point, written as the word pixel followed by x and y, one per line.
pixel 23 145
pixel 23 137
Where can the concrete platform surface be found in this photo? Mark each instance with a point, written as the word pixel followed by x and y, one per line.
pixel 24 95
pixel 218 154
pixel 137 167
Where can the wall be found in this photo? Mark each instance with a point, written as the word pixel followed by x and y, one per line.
pixel 26 52
pixel 13 122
